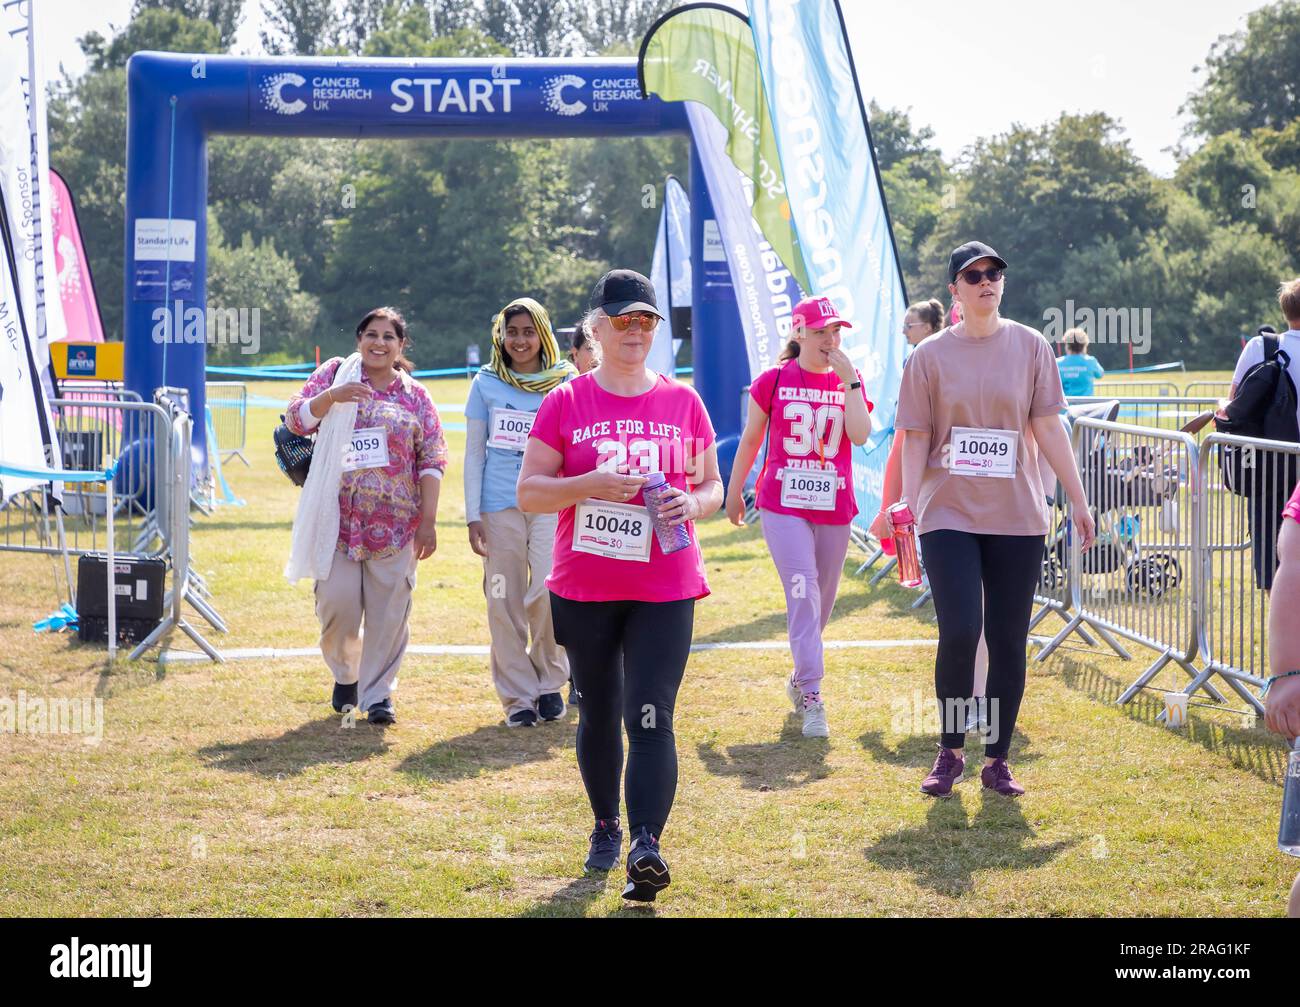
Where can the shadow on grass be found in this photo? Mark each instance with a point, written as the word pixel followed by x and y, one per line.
pixel 488 749
pixel 917 751
pixel 790 761
pixel 573 899
pixel 314 743
pixel 1252 749
pixel 945 853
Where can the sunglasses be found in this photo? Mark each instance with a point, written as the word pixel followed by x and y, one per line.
pixel 974 276
pixel 622 323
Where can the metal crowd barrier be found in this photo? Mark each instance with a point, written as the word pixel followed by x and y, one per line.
pixel 94 435
pixel 1246 484
pixel 1161 412
pixel 1140 579
pixel 1136 389
pixel 228 401
pixel 1208 389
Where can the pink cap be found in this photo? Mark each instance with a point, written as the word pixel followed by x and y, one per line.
pixel 817 313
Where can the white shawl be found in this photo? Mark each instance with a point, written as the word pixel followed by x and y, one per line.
pixel 316 527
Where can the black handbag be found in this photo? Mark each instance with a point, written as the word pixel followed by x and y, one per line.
pixel 293 453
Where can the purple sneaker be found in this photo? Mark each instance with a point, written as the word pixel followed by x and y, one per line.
pixel 997 777
pixel 947 770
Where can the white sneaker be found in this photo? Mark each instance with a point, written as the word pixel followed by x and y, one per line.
pixel 794 693
pixel 814 721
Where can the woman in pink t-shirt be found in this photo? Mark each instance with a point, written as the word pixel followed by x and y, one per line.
pixel 622 607
pixel 812 407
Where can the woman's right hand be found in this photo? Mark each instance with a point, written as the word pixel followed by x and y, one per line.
pixel 353 391
pixel 881 527
pixel 478 538
pixel 619 487
pixel 736 508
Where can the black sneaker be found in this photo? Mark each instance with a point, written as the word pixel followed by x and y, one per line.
pixel 344 695
pixel 647 870
pixel 606 842
pixel 381 714
pixel 522 718
pixel 550 706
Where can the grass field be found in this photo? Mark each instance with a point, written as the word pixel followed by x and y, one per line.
pixel 232 789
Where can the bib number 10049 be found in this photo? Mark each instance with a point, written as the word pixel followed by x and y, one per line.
pixel 985 453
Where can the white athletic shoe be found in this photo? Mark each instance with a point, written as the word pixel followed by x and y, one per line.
pixel 794 693
pixel 814 721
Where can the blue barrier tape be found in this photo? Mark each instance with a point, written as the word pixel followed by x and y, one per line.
pixel 59 475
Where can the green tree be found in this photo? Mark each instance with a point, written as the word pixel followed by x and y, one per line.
pixel 1250 75
pixel 224 15
pixel 152 29
pixel 304 27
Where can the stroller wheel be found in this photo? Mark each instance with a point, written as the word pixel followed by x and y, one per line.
pixel 1173 571
pixel 1146 577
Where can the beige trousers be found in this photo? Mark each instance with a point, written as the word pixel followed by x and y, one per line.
pixel 379 589
pixel 514 581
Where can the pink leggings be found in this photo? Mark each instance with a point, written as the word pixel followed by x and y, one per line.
pixel 810 558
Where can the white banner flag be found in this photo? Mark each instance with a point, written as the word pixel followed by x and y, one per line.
pixel 26 426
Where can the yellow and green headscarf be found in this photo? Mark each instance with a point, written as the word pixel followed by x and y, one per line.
pixel 555 369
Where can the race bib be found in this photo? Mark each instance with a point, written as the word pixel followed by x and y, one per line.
pixel 809 489
pixel 612 530
pixel 368 449
pixel 984 453
pixel 509 429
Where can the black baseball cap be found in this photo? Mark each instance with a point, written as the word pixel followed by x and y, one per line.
pixel 963 255
pixel 624 290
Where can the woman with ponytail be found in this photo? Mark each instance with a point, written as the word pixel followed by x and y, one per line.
pixel 516 547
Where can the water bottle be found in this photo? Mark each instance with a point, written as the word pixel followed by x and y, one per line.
pixel 1288 833
pixel 909 563
pixel 672 537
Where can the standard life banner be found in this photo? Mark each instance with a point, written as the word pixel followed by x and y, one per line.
pixel 837 204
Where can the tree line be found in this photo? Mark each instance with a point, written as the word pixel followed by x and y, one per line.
pixel 314 232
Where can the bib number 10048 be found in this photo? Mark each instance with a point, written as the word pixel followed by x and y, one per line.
pixel 612 530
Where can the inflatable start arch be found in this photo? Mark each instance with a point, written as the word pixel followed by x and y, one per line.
pixel 176 101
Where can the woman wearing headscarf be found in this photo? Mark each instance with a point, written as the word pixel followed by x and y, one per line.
pixel 516 547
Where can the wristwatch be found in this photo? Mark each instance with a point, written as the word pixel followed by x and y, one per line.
pixel 856 384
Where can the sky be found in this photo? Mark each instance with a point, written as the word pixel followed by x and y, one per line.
pixel 965 69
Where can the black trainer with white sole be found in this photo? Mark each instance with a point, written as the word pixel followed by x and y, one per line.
pixel 606 844
pixel 647 870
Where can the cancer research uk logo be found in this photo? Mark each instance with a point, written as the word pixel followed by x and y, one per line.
pixel 558 93
pixel 273 93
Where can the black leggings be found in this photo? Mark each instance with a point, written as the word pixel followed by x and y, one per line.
pixel 627 659
pixel 1007 566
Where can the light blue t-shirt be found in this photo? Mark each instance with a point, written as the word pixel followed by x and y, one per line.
pixel 501 471
pixel 1078 372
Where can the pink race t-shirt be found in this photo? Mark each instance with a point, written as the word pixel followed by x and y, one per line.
pixel 663 430
pixel 805 413
pixel 1292 508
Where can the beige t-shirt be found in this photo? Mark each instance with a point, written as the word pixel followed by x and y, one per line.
pixel 997 383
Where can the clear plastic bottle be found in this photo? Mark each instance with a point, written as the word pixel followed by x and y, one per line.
pixel 1288 832
pixel 672 537
pixel 909 562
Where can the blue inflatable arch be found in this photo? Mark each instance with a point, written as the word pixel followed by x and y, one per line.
pixel 176 101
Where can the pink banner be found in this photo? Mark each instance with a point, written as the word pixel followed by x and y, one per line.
pixel 76 287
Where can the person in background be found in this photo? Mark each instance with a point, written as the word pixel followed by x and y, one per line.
pixel 1272 479
pixel 970 397
pixel 584 351
pixel 1078 368
pixel 623 607
pixel 516 547
pixel 812 407
pixel 393 456
pixel 1282 702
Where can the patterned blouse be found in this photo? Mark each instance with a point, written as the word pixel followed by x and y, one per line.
pixel 379 508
